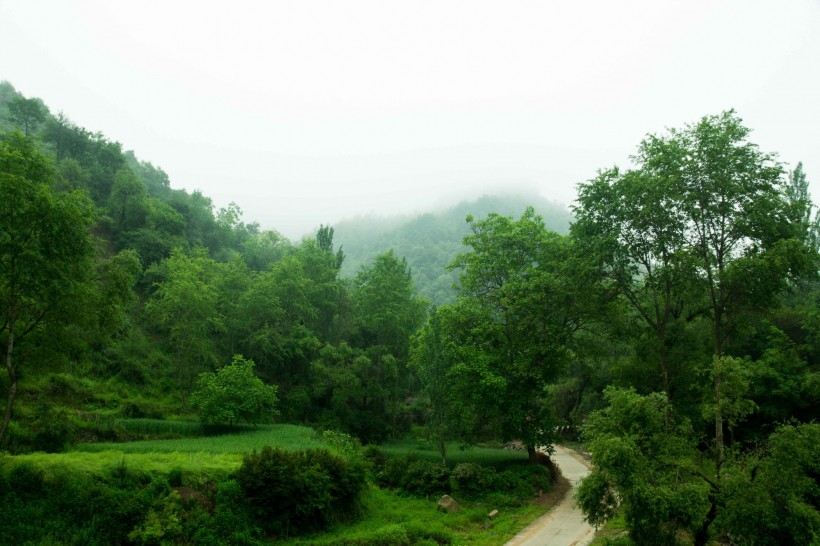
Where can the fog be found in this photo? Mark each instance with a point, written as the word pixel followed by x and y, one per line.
pixel 309 112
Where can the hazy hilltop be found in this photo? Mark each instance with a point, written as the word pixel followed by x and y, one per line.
pixel 430 241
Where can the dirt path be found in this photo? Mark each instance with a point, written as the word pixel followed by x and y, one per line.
pixel 564 524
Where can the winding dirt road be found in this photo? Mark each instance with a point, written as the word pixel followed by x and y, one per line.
pixel 564 524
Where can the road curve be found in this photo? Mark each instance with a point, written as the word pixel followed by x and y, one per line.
pixel 564 524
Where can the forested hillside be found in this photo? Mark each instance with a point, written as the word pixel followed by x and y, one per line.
pixel 674 328
pixel 149 286
pixel 430 241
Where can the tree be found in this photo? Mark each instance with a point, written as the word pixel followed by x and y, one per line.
pixel 432 358
pixel 184 306
pixel 519 309
pixel 743 241
pixel 725 234
pixel 386 308
pixel 648 464
pixel 27 113
pixel 629 223
pixel 46 252
pixel 233 394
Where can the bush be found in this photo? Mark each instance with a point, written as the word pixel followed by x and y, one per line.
pixel 525 480
pixel 298 491
pixel 234 395
pixel 393 470
pixel 425 478
pixel 474 479
pixel 374 455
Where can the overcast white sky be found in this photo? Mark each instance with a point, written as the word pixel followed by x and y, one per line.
pixel 306 112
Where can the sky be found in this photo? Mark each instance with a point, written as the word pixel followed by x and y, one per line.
pixel 307 112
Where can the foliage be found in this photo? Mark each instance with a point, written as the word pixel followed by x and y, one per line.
pixel 429 241
pixel 472 479
pixel 511 332
pixel 46 253
pixel 294 492
pixel 774 501
pixel 425 478
pixel 233 394
pixel 647 464
pixel 184 306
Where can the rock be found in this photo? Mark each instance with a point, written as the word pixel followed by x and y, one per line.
pixel 447 504
pixel 493 514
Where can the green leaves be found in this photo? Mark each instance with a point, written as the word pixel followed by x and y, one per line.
pixel 46 252
pixel 233 394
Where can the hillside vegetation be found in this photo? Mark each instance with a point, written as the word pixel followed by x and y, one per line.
pixel 151 341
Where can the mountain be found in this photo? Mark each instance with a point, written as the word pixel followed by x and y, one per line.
pixel 430 241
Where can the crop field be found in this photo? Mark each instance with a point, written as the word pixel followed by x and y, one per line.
pixel 455 453
pixel 207 457
pixel 245 440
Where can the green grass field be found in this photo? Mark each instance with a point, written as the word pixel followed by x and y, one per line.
pixel 244 440
pixel 389 514
pixel 206 457
pixel 474 454
pixel 212 458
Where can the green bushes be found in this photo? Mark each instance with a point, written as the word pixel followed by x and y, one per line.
pixel 515 483
pixel 425 479
pixel 474 479
pixel 293 492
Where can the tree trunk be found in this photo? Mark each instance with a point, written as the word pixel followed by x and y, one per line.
pixel 665 372
pixel 442 447
pixel 12 381
pixel 532 454
pixel 703 533
pixel 718 408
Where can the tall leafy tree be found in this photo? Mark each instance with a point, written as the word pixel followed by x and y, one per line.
pixel 519 310
pixel 385 304
pixel 739 234
pixel 46 252
pixel 629 223
pixel 184 306
pixel 738 228
pixel 27 114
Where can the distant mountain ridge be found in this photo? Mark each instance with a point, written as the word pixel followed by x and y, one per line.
pixel 430 241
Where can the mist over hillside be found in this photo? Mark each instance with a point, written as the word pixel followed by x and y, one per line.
pixel 430 241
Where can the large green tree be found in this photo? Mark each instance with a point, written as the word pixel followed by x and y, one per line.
pixel 706 223
pixel 27 114
pixel 184 307
pixel 627 222
pixel 233 394
pixel 46 253
pixel 519 309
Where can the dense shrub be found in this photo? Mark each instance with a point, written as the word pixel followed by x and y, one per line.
pixel 297 491
pixel 233 394
pixel 73 508
pixel 374 455
pixel 425 478
pixel 525 480
pixel 474 479
pixel 392 470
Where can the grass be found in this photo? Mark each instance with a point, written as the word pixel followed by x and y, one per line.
pixel 612 533
pixel 455 454
pixel 204 466
pixel 159 427
pixel 245 440
pixel 205 459
pixel 387 512
pixel 201 459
